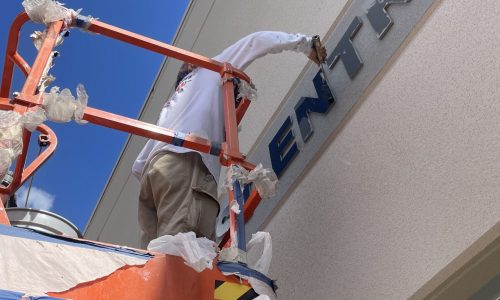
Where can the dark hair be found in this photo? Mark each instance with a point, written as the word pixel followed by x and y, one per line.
pixel 185 69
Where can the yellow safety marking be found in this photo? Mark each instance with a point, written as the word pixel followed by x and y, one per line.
pixel 230 291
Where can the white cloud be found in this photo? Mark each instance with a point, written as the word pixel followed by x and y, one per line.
pixel 38 198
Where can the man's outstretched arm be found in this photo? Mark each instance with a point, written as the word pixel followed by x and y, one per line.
pixel 242 53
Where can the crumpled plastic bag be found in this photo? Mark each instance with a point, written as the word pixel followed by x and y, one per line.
pixel 259 255
pixel 198 253
pixel 32 119
pixel 260 252
pixel 247 90
pixel 261 288
pixel 46 78
pixel 37 38
pixel 60 107
pixel 233 173
pixel 48 11
pixel 11 135
pixel 7 156
pixel 265 180
pixel 63 107
pixel 45 82
pixel 82 99
pixel 11 129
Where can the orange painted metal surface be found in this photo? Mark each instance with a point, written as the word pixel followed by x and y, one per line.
pixel 250 205
pixel 41 60
pixel 162 277
pixel 4 220
pixel 21 63
pixel 159 47
pixel 43 156
pixel 230 123
pixel 136 127
pixel 8 67
pixel 242 109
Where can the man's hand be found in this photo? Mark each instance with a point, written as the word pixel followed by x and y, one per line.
pixel 318 56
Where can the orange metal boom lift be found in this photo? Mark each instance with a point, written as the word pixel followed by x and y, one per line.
pixel 29 98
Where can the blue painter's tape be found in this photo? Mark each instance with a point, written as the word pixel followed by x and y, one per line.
pixel 82 22
pixel 215 148
pixel 240 218
pixel 11 295
pixel 243 269
pixel 178 139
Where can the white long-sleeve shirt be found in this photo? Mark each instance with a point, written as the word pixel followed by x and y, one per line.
pixel 197 106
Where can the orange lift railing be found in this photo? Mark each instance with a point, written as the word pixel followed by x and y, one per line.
pixel 29 98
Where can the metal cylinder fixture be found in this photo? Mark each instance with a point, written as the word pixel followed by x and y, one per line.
pixel 42 221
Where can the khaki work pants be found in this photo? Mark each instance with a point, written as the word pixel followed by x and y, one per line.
pixel 178 194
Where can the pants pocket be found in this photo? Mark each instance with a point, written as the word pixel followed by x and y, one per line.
pixel 204 208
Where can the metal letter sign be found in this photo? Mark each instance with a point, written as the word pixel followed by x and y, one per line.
pixel 318 105
pixel 277 148
pixel 346 51
pixel 289 153
pixel 379 18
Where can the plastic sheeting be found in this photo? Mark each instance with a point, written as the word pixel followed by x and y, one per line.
pixel 37 267
pixel 32 119
pixel 235 207
pixel 260 252
pixel 265 180
pixel 262 289
pixel 11 134
pixel 37 38
pixel 232 254
pixel 259 255
pixel 198 253
pixel 48 11
pixel 262 297
pixel 247 90
pixel 61 106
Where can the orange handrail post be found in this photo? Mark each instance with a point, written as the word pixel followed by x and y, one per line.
pixel 8 67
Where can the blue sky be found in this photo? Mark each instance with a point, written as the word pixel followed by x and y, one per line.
pixel 117 77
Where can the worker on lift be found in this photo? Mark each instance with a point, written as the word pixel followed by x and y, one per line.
pixel 178 185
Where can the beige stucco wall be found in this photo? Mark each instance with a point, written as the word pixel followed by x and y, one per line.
pixel 412 179
pixel 409 182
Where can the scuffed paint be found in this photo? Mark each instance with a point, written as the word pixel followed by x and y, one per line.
pixel 162 277
pixel 146 275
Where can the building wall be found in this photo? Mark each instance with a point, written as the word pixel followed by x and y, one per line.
pixel 409 181
pixel 412 179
